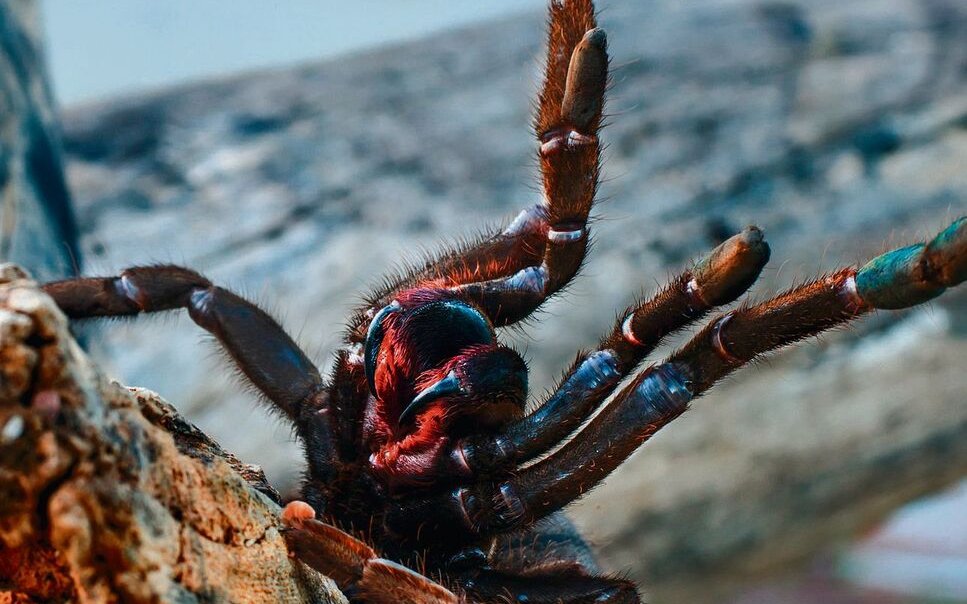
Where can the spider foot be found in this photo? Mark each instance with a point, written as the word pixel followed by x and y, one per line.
pixel 583 100
pixel 916 273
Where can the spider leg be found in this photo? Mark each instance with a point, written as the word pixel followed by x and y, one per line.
pixel 721 277
pixel 898 279
pixel 493 255
pixel 511 273
pixel 567 123
pixel 353 565
pixel 359 572
pixel 260 348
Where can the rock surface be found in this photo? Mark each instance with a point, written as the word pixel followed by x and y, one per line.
pixel 107 495
pixel 37 227
pixel 837 127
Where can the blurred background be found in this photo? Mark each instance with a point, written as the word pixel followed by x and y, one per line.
pixel 296 151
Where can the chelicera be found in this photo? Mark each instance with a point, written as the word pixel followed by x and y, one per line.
pixel 428 480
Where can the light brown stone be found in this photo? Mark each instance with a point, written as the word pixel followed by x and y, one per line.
pixel 99 502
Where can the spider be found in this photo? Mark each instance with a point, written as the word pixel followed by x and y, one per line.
pixel 419 439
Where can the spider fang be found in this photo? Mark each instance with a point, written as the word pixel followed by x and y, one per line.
pixel 447 386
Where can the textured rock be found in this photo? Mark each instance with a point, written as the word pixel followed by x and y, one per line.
pixel 837 127
pixel 106 495
pixel 37 227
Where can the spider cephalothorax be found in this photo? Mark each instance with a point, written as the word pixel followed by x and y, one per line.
pixel 419 439
pixel 436 373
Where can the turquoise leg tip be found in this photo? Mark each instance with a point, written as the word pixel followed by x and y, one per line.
pixel 894 280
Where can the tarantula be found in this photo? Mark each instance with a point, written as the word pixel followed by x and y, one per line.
pixel 420 438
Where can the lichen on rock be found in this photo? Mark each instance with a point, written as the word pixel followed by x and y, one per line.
pixel 107 494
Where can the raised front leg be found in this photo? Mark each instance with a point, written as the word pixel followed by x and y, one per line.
pixel 569 117
pixel 510 273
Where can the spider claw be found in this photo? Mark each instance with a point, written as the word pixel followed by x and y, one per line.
pixel 587 76
pixel 730 269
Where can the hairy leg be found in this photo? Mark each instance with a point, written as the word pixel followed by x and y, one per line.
pixel 720 278
pixel 355 566
pixel 367 578
pixel 897 279
pixel 511 273
pixel 258 345
pixel 567 124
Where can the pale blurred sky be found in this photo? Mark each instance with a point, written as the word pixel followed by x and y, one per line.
pixel 108 47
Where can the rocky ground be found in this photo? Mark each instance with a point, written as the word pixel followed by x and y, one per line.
pixel 839 128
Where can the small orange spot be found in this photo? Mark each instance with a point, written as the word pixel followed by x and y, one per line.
pixel 297 511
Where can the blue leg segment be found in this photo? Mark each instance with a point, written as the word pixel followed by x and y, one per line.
pixel 915 274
